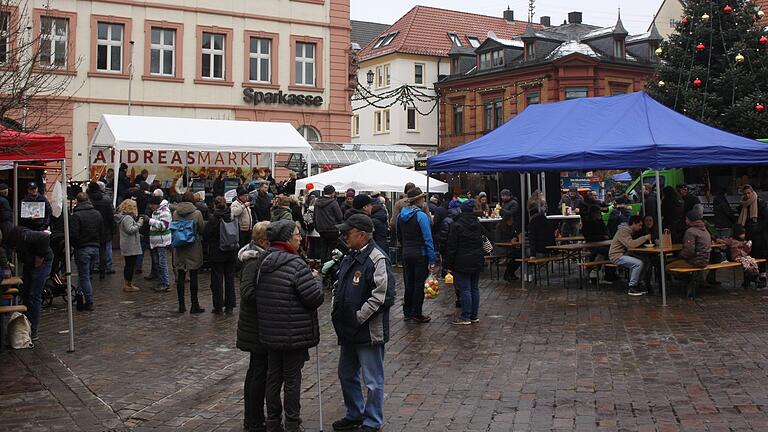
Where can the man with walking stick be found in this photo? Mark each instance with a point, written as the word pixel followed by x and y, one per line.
pixel 360 315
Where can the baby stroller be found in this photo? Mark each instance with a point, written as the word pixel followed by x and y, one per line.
pixel 56 285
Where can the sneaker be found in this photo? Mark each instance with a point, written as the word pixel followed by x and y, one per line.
pixel 475 321
pixel 346 424
pixel 368 429
pixel 635 291
pixel 461 321
pixel 35 337
pixel 422 319
pixel 196 309
pixel 88 307
pixel 162 288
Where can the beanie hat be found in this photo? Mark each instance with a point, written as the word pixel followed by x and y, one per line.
pixel 280 231
pixel 350 193
pixel 361 201
pixel 329 190
pixel 505 192
pixel 241 191
pixel 468 206
pixel 454 204
pixel 696 213
pixel 156 200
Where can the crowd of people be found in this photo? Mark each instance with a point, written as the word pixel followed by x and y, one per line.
pixel 273 243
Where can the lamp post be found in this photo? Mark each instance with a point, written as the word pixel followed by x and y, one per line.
pixel 130 78
pixel 369 77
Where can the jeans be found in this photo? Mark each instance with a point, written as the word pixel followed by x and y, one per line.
pixel 32 292
pixel 140 258
pixel 469 286
pixel 223 284
pixel 180 277
pixel 130 267
pixel 162 265
pixel 415 272
pixel 255 389
pixel 105 258
pixel 635 266
pixel 86 257
pixel 368 359
pixel 284 371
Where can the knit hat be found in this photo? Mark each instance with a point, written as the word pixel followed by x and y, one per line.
pixel 329 190
pixel 241 191
pixel 350 193
pixel 468 206
pixel 280 231
pixel 454 204
pixel 3 186
pixel 505 192
pixel 696 213
pixel 361 201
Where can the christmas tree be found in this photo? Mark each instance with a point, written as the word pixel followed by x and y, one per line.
pixel 714 69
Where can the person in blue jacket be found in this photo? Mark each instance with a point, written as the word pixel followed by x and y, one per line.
pixel 414 233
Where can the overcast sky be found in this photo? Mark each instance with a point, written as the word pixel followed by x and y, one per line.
pixel 635 14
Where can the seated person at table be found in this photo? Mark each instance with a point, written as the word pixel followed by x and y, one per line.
pixel 739 250
pixel 541 233
pixel 594 230
pixel 697 245
pixel 506 233
pixel 619 253
pixel 651 260
pixel 621 213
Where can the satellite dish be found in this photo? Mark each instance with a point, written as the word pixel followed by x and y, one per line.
pixel 492 35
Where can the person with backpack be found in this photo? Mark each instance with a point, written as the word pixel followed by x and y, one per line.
pixel 327 215
pixel 186 232
pixel 221 234
pixel 129 223
pixel 160 239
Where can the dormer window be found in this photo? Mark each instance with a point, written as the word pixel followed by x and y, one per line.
pixel 491 59
pixel 455 39
pixel 473 41
pixel 385 40
pixel 530 51
pixel 618 48
pixel 380 41
pixel 455 66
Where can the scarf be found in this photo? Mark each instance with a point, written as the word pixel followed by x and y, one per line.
pixel 284 246
pixel 748 210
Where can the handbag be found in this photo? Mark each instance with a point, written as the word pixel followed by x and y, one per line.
pixel 487 245
pixel 666 238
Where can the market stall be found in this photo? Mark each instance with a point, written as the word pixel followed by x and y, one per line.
pixel 25 147
pixel 372 175
pixel 618 132
pixel 186 135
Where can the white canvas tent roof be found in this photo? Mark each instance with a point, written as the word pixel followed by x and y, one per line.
pixel 372 175
pixel 190 134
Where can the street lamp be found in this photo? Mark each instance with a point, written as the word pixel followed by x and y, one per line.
pixel 369 77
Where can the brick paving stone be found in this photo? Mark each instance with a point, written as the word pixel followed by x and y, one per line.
pixel 543 359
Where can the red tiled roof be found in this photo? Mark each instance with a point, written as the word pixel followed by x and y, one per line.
pixel 424 31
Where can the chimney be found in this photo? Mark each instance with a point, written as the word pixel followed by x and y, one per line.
pixel 574 17
pixel 546 21
pixel 509 15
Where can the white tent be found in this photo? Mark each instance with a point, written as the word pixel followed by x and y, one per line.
pixel 189 134
pixel 123 132
pixel 372 175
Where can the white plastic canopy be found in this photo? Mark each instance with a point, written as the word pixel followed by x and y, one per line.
pixel 123 132
pixel 371 175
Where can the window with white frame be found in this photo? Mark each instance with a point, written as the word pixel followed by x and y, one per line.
pixel 618 48
pixel 5 42
pixel 109 47
pixel 381 121
pixel 474 41
pixel 383 78
pixel 458 119
pixel 491 59
pixel 388 40
pixel 305 63
pixel 260 58
pixel 411 120
pixel 356 125
pixel 532 98
pixel 54 34
pixel 454 39
pixel 418 73
pixel 530 50
pixel 162 55
pixel 213 53
pixel 380 41
pixel 387 77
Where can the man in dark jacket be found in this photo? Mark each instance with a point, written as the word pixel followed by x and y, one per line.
pixel 34 251
pixel 380 226
pixel 287 297
pixel 36 223
pixel 650 207
pixel 360 315
pixel 123 183
pixel 6 214
pixel 465 258
pixel 327 215
pixel 689 201
pixel 510 207
pixel 262 204
pixel 85 233
pixel 104 206
pixel 415 235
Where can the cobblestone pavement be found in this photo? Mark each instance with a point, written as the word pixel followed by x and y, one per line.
pixel 541 359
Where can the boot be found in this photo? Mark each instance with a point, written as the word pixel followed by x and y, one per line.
pixel 127 287
pixel 293 426
pixel 195 309
pixel 275 426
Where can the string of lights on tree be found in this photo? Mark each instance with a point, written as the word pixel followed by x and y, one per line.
pixel 713 68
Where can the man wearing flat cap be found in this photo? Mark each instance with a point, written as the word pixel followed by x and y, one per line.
pixel 360 315
pixel 44 220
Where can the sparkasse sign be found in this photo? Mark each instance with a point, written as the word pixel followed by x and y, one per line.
pixel 254 97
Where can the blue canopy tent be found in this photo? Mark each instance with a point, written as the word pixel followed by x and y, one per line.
pixel 627 131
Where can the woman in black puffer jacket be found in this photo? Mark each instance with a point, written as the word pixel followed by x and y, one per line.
pixel 287 297
pixel 222 261
pixel 464 257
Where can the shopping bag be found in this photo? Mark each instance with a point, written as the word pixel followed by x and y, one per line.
pixel 666 238
pixel 431 287
pixel 19 331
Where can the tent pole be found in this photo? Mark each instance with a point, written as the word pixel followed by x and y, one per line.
pixel 498 187
pixel 528 183
pixel 543 184
pixel 116 179
pixel 15 205
pixel 661 241
pixel 272 166
pixel 524 268
pixel 67 258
